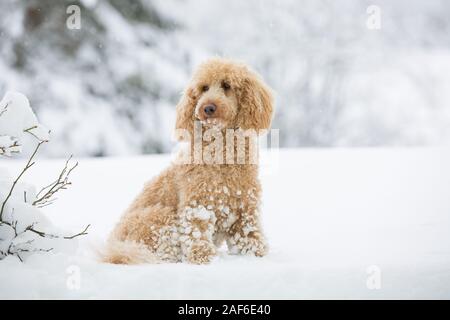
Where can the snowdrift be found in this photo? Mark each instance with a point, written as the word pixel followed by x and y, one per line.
pixel 341 223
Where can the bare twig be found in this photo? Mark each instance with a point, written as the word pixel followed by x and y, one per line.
pixel 43 234
pixel 4 150
pixel 5 108
pixel 29 130
pixel 82 233
pixel 29 164
pixel 53 236
pixel 44 196
pixel 15 249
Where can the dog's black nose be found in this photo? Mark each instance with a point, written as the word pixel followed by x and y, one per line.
pixel 210 109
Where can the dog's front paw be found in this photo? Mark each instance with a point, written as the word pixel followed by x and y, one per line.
pixel 248 245
pixel 201 252
pixel 257 247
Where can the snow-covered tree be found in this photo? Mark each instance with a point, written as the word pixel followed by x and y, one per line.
pixel 110 82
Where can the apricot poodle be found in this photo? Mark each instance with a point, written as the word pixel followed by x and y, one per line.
pixel 192 207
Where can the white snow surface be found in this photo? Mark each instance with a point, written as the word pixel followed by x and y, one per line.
pixel 330 215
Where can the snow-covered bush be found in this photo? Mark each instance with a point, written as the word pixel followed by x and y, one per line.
pixel 16 120
pixel 24 229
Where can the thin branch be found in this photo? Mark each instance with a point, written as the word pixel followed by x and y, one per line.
pixel 33 134
pixel 82 233
pixel 5 108
pixel 4 149
pixel 32 250
pixel 30 128
pixel 49 203
pixel 44 196
pixel 29 164
pixel 42 233
pixel 52 236
pixel 29 131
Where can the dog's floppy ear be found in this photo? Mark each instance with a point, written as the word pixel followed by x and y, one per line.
pixel 256 104
pixel 185 113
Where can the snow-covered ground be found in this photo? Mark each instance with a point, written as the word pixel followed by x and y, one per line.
pixel 335 219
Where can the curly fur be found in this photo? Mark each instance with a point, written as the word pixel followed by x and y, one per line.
pixel 186 212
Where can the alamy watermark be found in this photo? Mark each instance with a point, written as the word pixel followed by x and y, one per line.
pixel 211 145
pixel 373 281
pixel 373 21
pixel 73 281
pixel 73 21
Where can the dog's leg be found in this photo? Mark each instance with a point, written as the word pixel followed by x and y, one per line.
pixel 246 236
pixel 197 228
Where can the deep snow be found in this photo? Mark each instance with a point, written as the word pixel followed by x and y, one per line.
pixel 111 87
pixel 329 215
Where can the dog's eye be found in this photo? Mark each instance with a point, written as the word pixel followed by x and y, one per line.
pixel 226 86
pixel 205 88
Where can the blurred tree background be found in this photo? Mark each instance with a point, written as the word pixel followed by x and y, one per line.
pixel 110 88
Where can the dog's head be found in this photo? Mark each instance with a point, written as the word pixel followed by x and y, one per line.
pixel 225 94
